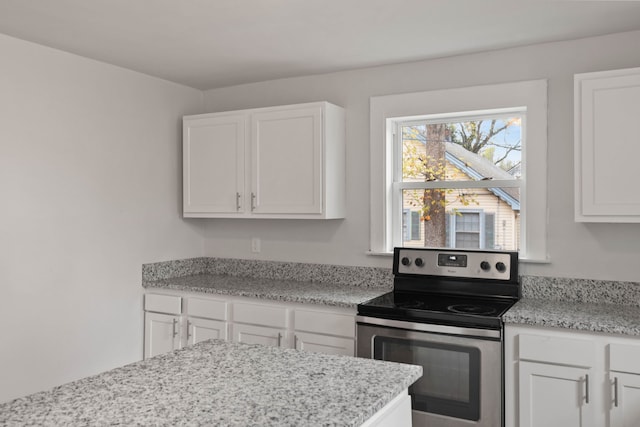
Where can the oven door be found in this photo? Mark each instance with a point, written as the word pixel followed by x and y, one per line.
pixel 462 375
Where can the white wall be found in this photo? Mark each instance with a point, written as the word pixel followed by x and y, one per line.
pixel 90 176
pixel 604 251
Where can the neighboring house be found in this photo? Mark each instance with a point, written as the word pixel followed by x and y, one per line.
pixel 490 221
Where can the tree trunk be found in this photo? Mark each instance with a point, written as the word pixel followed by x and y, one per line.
pixel 434 200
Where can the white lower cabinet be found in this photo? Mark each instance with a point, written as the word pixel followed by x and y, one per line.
pixel 260 323
pixel 177 319
pixel 205 329
pixel 162 324
pixel 161 333
pixel 251 334
pixel 174 321
pixel 553 395
pixel 324 331
pixel 624 382
pixel 206 319
pixel 563 378
pixel 327 344
pixel 626 399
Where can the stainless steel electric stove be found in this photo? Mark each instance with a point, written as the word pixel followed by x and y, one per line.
pixel 445 313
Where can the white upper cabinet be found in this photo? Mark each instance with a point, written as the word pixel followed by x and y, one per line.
pixel 214 164
pixel 607 107
pixel 276 162
pixel 287 155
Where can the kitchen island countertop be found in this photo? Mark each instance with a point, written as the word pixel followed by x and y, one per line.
pixel 222 383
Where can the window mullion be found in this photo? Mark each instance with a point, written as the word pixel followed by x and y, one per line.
pixel 413 185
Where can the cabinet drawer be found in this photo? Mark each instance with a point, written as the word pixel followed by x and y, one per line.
pixel 208 308
pixel 258 314
pixel 324 344
pixel 624 358
pixel 325 323
pixel 251 334
pixel 564 351
pixel 163 303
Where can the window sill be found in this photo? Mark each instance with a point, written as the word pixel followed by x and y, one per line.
pixel 383 254
pixel 535 261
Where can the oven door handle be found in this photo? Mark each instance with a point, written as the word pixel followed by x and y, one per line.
pixel 430 327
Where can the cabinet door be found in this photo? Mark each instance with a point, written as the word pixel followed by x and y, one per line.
pixel 213 164
pixel 286 150
pixel 553 395
pixel 324 344
pixel 251 334
pixel 205 329
pixel 606 151
pixel 625 402
pixel 161 333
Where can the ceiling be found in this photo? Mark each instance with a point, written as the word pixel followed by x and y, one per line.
pixel 208 44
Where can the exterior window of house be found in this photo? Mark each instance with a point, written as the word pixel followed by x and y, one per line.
pixel 461 168
pixel 410 225
pixel 467 230
pixel 471 230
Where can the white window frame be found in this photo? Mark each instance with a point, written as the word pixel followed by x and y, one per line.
pixel 530 96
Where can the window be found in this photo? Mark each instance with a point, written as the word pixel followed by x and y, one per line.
pixel 445 167
pixel 431 186
pixel 471 230
pixel 467 231
pixel 410 225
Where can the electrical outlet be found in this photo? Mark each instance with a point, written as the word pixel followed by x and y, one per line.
pixel 255 245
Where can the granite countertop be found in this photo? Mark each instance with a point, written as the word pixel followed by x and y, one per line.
pixel 333 285
pixel 591 317
pixel 309 292
pixel 221 383
pixel 580 304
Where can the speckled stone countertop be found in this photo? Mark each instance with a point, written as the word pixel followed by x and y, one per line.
pixel 587 305
pixel 278 290
pixel 223 384
pixel 332 285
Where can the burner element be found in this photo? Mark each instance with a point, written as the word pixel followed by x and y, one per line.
pixel 471 309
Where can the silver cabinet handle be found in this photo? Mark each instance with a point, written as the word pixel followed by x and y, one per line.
pixel 615 391
pixel 238 196
pixel 175 330
pixel 586 388
pixel 295 342
pixel 253 201
pixel 279 339
pixel 188 330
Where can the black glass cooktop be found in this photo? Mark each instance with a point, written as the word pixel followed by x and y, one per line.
pixel 442 309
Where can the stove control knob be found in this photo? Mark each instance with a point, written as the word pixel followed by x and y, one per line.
pixel 501 267
pixel 419 262
pixel 406 261
pixel 485 266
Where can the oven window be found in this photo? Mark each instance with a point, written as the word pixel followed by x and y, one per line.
pixel 450 384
